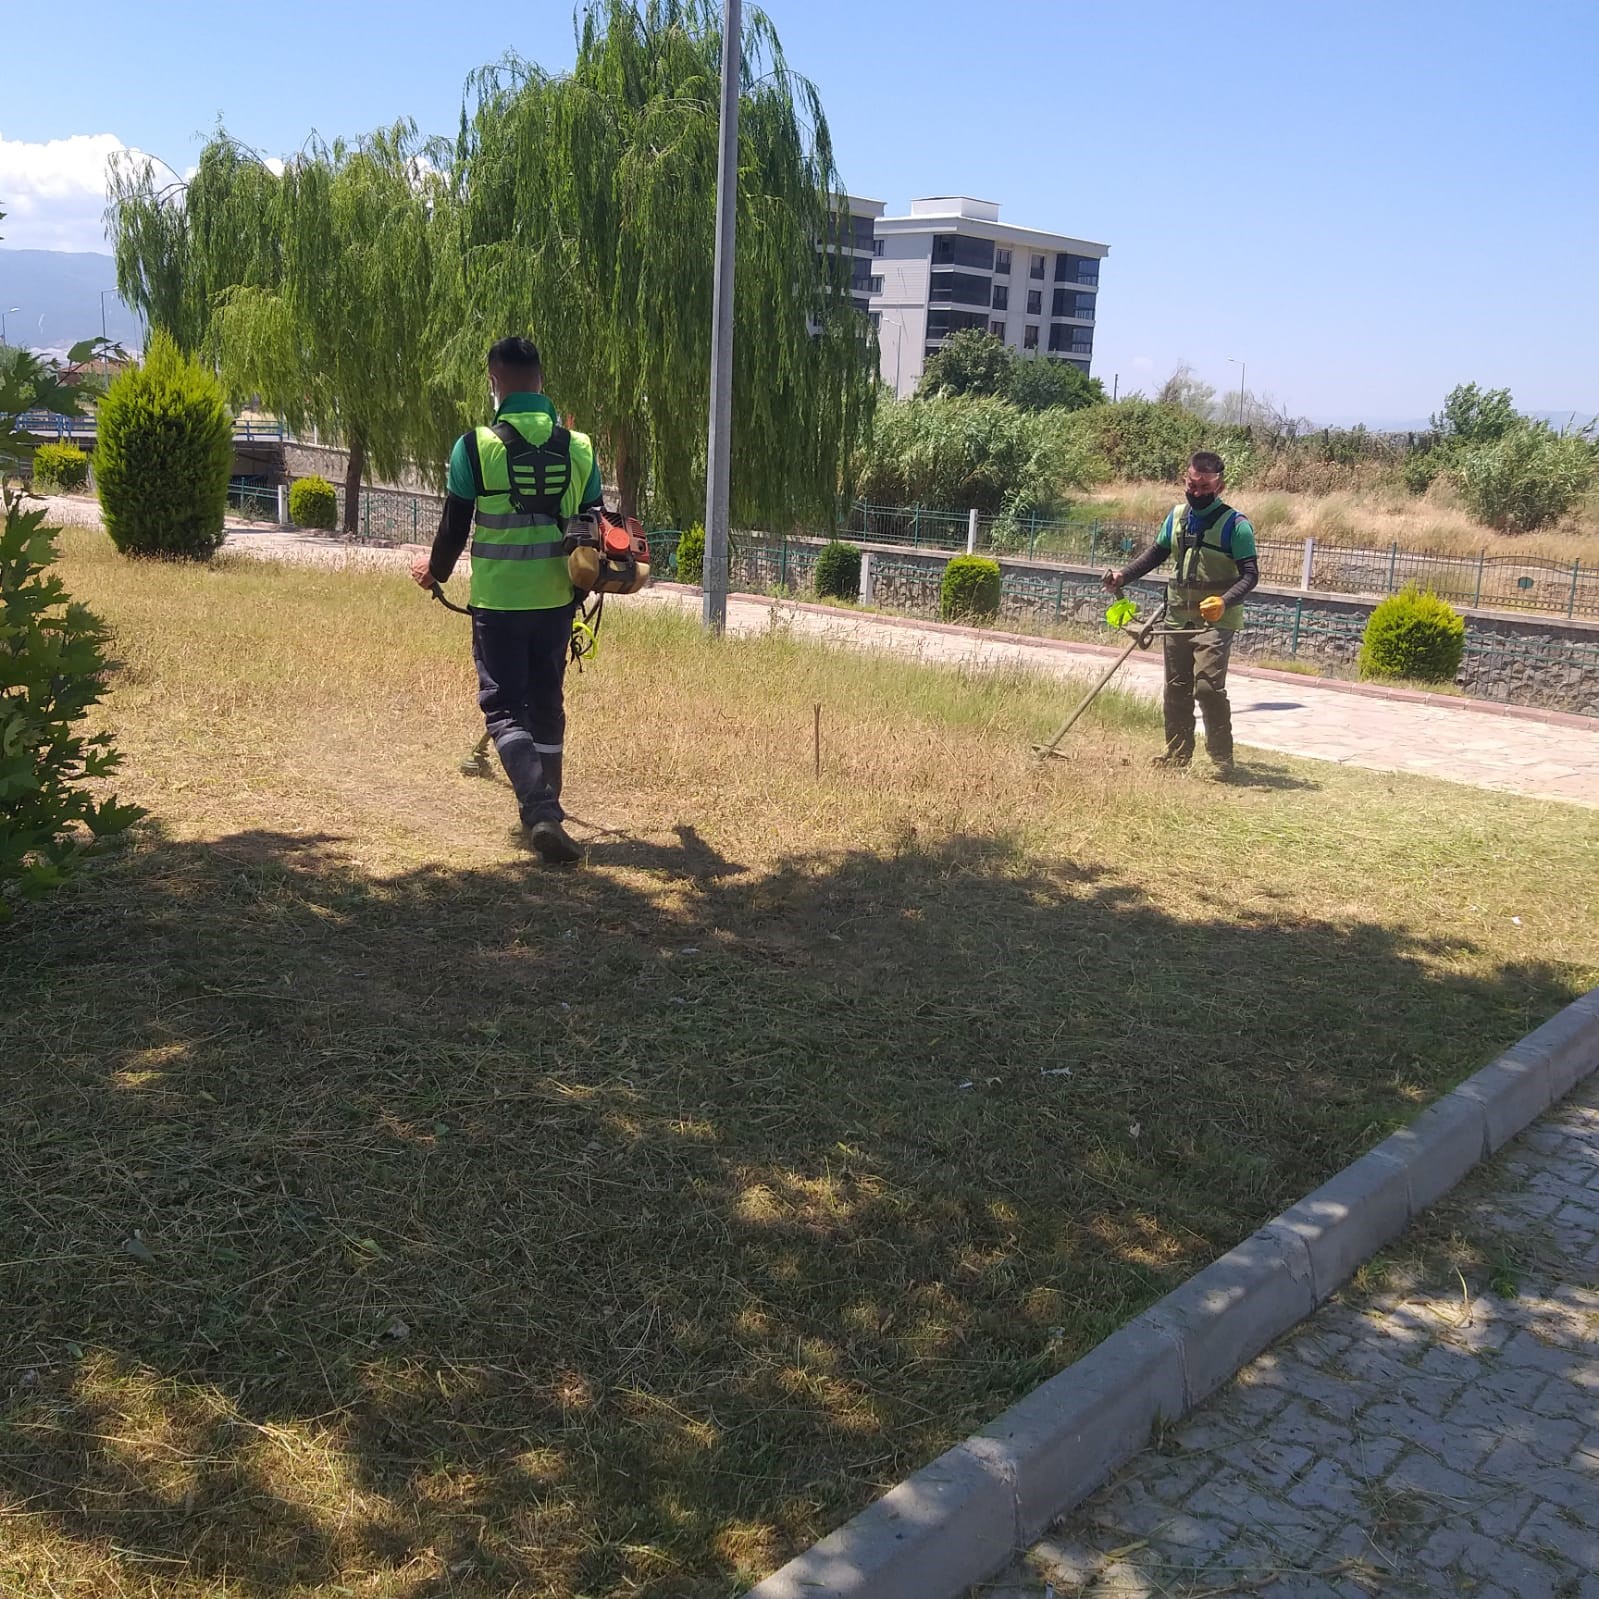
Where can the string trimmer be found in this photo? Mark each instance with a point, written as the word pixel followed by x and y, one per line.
pixel 1123 616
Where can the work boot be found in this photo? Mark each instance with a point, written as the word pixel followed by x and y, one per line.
pixel 1223 768
pixel 1170 762
pixel 551 841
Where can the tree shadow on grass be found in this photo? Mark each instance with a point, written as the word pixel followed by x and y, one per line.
pixel 574 1233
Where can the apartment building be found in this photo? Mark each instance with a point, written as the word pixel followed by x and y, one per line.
pixel 863 249
pixel 953 264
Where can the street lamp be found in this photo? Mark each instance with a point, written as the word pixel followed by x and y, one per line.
pixel 10 310
pixel 1242 373
pixel 719 442
pixel 103 294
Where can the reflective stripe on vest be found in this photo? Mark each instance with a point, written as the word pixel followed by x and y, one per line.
pixel 520 566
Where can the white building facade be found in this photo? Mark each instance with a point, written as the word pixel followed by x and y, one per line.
pixel 953 264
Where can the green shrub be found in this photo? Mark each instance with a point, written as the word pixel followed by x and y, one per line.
pixel 970 589
pixel 964 452
pixel 313 502
pixel 1142 439
pixel 52 672
pixel 1526 478
pixel 1413 634
pixel 163 456
pixel 1417 471
pixel 838 571
pixel 691 555
pixel 59 468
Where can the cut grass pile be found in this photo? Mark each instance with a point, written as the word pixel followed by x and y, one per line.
pixel 386 1215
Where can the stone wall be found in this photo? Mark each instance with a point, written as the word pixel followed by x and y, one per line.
pixel 1520 659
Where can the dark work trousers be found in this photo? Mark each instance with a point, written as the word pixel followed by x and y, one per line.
pixel 521 666
pixel 1196 669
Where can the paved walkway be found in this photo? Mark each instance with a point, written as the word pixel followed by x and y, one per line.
pixel 1398 1444
pixel 1515 755
pixel 1512 754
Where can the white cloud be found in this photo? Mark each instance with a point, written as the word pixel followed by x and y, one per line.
pixel 54 193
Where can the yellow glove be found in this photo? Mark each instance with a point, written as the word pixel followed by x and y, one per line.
pixel 1211 608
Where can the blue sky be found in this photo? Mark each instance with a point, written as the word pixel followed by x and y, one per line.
pixel 1366 203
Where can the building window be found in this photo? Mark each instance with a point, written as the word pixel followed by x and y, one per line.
pixel 1030 336
pixel 997 329
pixel 877 246
pixel 1068 302
pixel 941 322
pixel 874 285
pixel 963 288
pixel 1001 297
pixel 1037 270
pixel 877 318
pixel 1002 262
pixel 954 249
pixel 1076 269
pixel 1035 302
pixel 1069 340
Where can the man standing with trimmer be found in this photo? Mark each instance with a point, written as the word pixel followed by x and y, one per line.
pixel 513 485
pixel 1216 567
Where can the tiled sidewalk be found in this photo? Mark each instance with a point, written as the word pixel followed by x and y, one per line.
pixel 1399 1444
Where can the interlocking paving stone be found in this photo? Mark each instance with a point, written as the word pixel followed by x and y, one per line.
pixel 1404 1444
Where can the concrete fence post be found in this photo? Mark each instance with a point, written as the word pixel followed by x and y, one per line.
pixel 971 532
pixel 866 577
pixel 1308 569
pixel 283 505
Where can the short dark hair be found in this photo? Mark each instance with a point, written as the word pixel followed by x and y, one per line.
pixel 517 354
pixel 1208 462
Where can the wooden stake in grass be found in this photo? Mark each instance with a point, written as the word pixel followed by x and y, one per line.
pixel 817 742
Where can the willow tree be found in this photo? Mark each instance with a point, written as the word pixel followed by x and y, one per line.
pixel 309 287
pixel 339 340
pixel 179 245
pixel 583 212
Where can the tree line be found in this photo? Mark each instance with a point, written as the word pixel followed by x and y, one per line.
pixel 354 287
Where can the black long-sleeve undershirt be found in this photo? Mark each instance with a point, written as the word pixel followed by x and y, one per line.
pixel 1143 564
pixel 455 528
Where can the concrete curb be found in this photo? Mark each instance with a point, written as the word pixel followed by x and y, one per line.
pixel 960 1519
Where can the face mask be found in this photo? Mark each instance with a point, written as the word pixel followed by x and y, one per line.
pixel 1200 502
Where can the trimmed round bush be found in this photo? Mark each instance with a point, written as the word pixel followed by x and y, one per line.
pixel 1416 635
pixel 163 456
pixel 313 503
pixel 60 468
pixel 691 555
pixel 838 571
pixel 970 589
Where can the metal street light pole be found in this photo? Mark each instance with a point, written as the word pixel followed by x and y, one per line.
pixel 103 294
pixel 719 450
pixel 1242 373
pixel 10 310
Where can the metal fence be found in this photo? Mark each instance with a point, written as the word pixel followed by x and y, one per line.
pixel 1481 581
pixel 1286 627
pixel 54 425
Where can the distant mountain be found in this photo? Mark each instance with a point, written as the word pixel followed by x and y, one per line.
pixel 1573 416
pixel 57 295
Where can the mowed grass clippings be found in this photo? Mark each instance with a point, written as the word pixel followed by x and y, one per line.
pixel 384 1214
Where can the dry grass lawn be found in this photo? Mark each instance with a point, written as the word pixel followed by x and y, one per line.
pixel 385 1215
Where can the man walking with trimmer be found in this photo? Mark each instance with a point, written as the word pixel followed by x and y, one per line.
pixel 513 486
pixel 1214 546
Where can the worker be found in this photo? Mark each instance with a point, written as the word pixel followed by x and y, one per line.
pixel 512 487
pixel 1216 567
